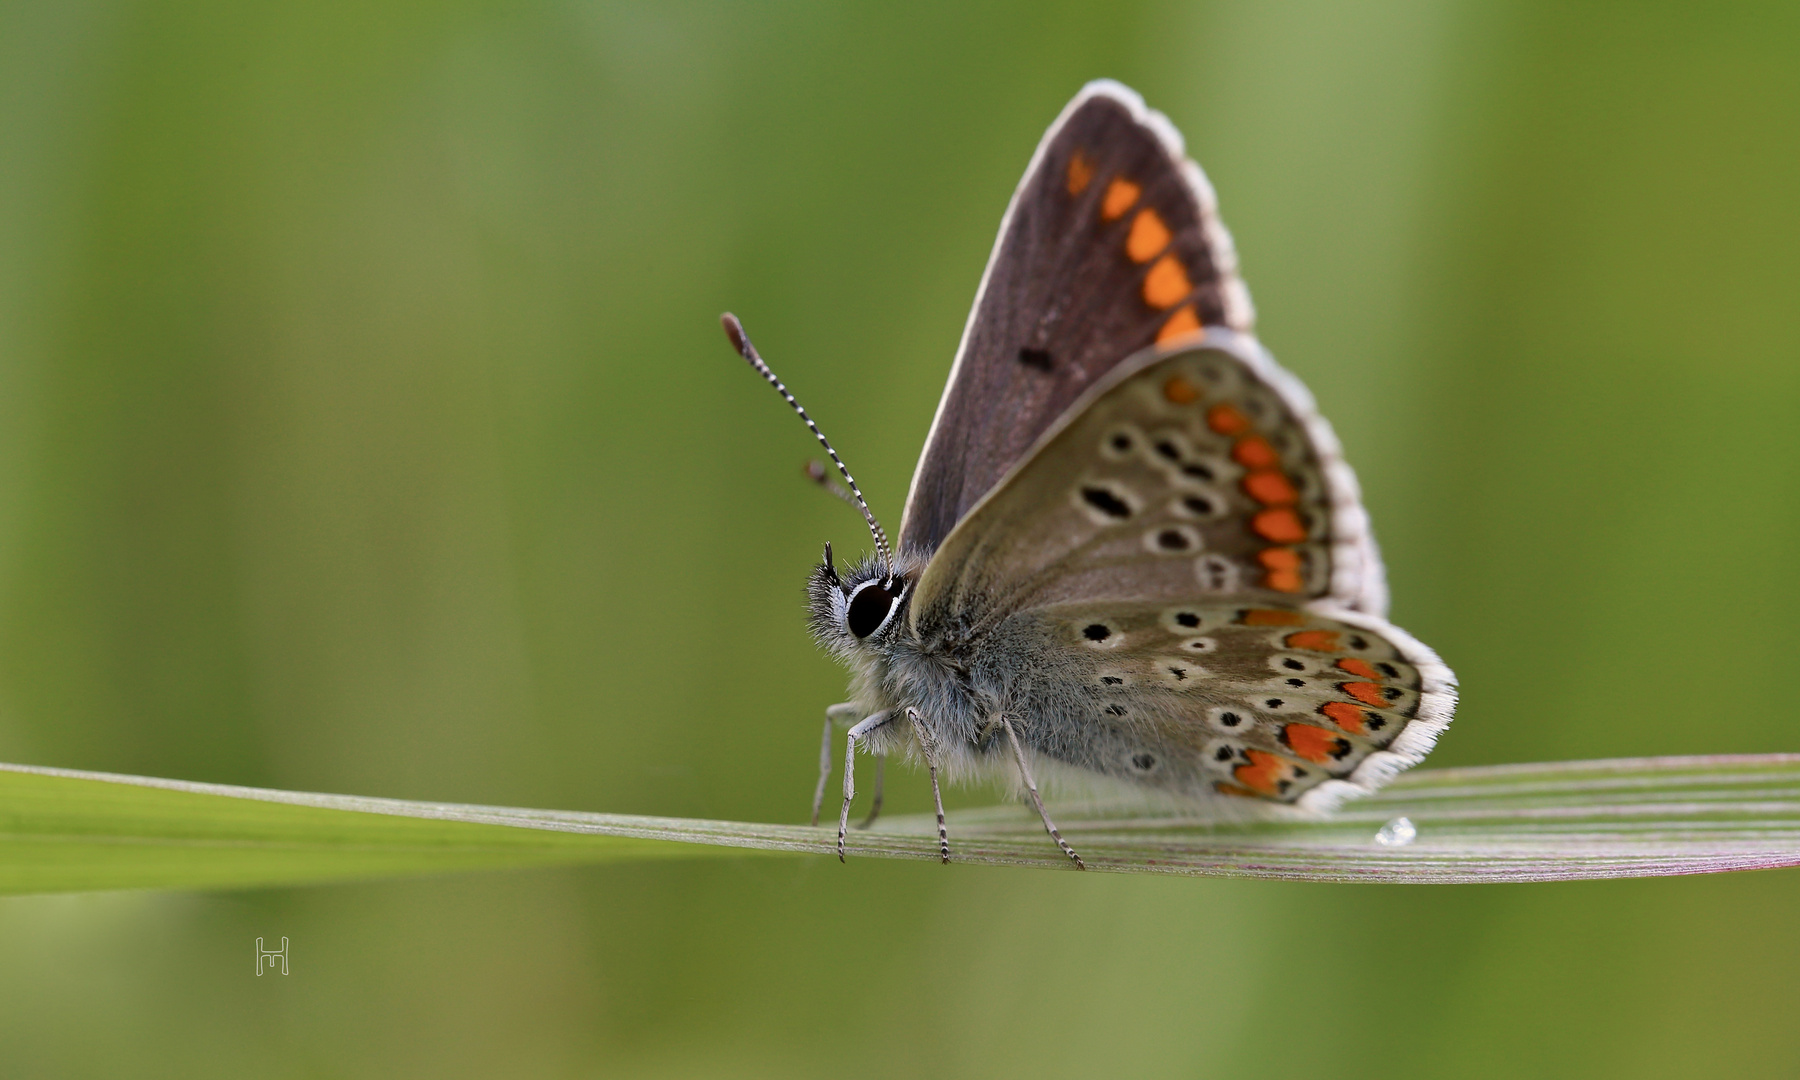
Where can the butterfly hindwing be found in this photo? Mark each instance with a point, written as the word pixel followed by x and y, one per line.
pixel 1111 244
pixel 1195 699
pixel 1191 471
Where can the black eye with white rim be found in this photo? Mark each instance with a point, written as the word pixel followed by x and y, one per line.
pixel 872 606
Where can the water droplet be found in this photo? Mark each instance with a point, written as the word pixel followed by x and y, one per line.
pixel 1397 833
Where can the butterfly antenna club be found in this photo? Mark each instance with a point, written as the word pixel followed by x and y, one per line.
pixel 741 342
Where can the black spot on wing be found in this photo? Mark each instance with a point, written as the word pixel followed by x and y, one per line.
pixel 1173 540
pixel 1106 502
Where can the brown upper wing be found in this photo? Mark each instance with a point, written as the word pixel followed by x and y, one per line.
pixel 1111 244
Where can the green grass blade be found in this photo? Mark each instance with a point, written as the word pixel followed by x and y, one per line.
pixel 65 831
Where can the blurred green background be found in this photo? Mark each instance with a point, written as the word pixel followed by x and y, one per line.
pixel 365 426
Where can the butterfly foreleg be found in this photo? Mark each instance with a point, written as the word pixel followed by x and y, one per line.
pixel 861 730
pixel 841 713
pixel 928 747
pixel 1031 789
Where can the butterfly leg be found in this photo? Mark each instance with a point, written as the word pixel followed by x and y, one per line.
pixel 937 796
pixel 861 730
pixel 875 804
pixel 1036 800
pixel 834 714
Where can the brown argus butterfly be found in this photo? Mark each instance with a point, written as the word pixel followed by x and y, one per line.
pixel 1132 554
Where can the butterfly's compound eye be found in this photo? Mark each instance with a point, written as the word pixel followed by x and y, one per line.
pixel 870 606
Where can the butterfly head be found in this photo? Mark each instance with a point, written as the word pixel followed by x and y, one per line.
pixel 862 606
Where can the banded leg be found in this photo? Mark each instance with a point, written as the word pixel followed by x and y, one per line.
pixel 1036 800
pixel 880 781
pixel 937 796
pixel 860 731
pixel 834 714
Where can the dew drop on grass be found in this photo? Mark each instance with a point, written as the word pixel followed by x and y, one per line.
pixel 1397 833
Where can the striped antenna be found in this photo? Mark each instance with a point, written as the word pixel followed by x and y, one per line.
pixel 741 342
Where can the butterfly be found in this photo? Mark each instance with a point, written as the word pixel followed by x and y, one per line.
pixel 1132 553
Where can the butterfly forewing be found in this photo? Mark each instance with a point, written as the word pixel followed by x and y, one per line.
pixel 1189 472
pixel 1111 244
pixel 1198 698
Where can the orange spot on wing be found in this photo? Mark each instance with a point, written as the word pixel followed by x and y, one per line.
pixel 1288 581
pixel 1270 488
pixel 1315 743
pixel 1358 667
pixel 1120 195
pixel 1226 420
pixel 1366 692
pixel 1264 774
pixel 1255 453
pixel 1279 558
pixel 1271 617
pixel 1344 715
pixel 1167 283
pixel 1178 391
pixel 1148 236
pixel 1314 640
pixel 1081 172
pixel 1283 565
pixel 1279 526
pixel 1185 321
